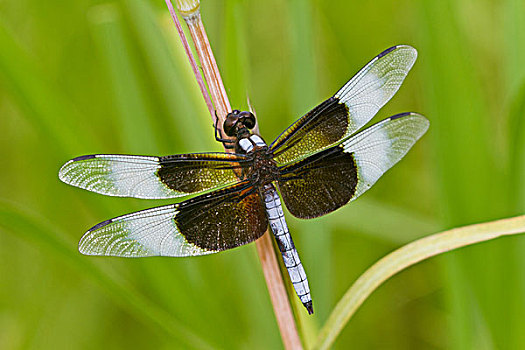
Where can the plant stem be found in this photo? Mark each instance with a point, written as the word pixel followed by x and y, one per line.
pixel 269 264
pixel 193 63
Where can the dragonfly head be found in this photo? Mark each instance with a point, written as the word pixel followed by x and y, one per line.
pixel 238 122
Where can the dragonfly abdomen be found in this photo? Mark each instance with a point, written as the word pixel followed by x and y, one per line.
pixel 293 264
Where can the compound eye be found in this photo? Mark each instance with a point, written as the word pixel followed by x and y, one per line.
pixel 248 119
pixel 230 122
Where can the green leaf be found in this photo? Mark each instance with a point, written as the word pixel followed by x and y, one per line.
pixel 407 256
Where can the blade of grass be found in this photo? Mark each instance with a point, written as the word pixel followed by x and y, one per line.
pixel 404 257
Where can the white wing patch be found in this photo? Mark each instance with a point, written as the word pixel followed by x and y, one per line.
pixel 151 232
pixel 117 175
pixel 374 85
pixel 377 148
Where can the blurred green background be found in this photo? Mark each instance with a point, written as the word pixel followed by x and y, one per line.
pixel 89 76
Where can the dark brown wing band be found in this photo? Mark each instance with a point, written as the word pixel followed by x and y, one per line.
pixel 223 219
pixel 319 184
pixel 194 173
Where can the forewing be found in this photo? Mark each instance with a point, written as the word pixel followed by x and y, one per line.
pixel 205 224
pixel 349 109
pixel 329 179
pixel 152 177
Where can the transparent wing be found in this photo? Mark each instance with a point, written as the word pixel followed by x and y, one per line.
pixel 206 224
pixel 152 177
pixel 349 109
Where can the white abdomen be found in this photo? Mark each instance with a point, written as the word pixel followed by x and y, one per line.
pixel 279 228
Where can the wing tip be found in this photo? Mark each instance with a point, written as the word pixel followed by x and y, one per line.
pixel 99 225
pixel 84 251
pixel 83 247
pixel 85 157
pixel 396 47
pixel 406 114
pixel 62 173
pixel 421 118
pixel 403 114
pixel 387 51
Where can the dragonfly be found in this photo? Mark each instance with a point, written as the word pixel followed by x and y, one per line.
pixel 318 164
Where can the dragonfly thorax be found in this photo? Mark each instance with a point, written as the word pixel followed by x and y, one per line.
pixel 264 169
